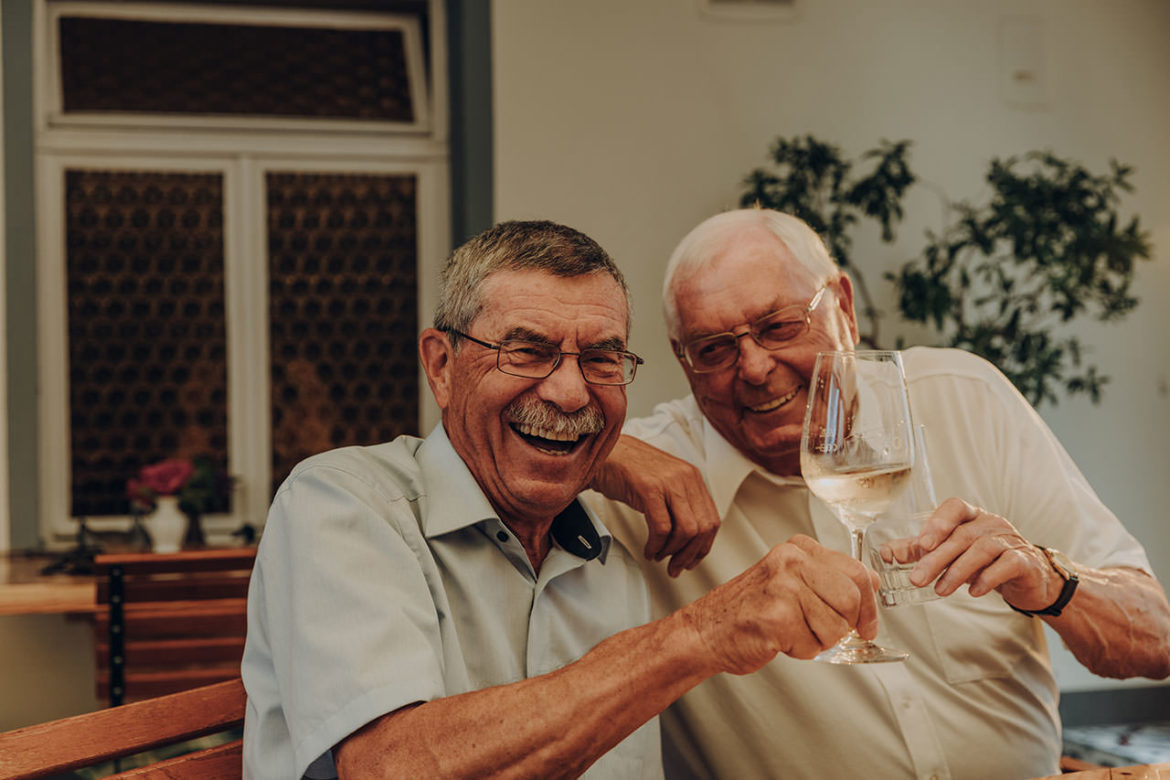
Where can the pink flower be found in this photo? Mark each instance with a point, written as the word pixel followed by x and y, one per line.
pixel 166 478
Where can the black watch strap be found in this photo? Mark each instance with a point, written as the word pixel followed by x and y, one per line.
pixel 1060 564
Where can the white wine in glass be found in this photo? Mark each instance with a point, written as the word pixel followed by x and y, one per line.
pixel 856 451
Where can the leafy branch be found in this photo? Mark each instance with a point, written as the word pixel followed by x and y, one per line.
pixel 1002 277
pixel 1046 247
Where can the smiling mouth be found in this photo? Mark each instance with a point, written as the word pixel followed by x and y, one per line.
pixel 550 442
pixel 775 403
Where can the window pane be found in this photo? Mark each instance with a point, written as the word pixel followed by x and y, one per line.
pixel 343 312
pixel 123 65
pixel 147 342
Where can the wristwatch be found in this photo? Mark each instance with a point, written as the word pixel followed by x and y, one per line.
pixel 1064 567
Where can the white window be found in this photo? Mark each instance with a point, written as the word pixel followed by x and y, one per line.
pixel 226 266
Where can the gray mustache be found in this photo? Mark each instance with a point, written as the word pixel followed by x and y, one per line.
pixel 546 417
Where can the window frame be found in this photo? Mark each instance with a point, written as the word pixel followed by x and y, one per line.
pixel 55 115
pixel 244 155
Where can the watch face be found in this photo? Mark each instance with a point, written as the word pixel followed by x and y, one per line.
pixel 1061 563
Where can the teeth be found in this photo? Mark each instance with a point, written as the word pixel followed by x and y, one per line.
pixel 775 403
pixel 529 430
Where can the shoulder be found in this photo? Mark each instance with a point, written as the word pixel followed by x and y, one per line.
pixel 389 469
pixel 958 374
pixel 927 362
pixel 674 426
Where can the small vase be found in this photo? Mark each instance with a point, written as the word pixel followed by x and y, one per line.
pixel 166 525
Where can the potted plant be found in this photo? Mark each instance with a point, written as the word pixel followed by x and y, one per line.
pixel 1047 246
pixel 175 493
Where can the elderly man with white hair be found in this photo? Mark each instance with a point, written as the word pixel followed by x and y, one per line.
pixel 750 297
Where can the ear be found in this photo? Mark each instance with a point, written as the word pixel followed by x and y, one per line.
pixel 438 361
pixel 845 304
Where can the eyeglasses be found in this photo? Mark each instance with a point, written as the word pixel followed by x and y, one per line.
pixel 534 360
pixel 772 331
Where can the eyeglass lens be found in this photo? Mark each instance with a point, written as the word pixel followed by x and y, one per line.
pixel 770 332
pixel 537 361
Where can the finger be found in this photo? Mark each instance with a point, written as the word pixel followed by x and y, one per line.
pixel 948 516
pixel 682 531
pixel 824 627
pixel 844 585
pixel 691 555
pixel 1001 554
pixel 658 525
pixel 943 555
pixel 1014 565
pixel 867 615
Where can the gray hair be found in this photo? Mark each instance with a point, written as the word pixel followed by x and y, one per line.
pixel 516 246
pixel 699 247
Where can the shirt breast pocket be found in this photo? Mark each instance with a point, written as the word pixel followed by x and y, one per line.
pixel 980 638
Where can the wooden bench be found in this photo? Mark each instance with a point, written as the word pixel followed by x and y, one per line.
pixel 96 737
pixel 169 622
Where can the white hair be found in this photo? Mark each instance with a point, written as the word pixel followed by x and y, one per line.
pixel 700 246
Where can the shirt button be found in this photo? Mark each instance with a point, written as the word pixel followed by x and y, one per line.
pixel 502 536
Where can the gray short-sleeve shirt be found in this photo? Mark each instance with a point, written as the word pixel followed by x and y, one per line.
pixel 384 578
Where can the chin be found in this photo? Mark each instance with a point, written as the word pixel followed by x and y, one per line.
pixel 545 498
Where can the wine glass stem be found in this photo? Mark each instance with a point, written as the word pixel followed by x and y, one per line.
pixel 856 537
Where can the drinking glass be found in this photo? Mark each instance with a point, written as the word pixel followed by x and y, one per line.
pixel 856 454
pixel 892 541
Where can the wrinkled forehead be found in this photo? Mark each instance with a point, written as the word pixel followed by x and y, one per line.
pixel 743 281
pixel 544 301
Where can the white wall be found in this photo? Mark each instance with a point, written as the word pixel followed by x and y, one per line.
pixel 635 119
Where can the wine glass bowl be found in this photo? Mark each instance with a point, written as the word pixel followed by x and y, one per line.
pixel 856 454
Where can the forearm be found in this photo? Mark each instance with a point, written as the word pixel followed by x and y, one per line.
pixel 554 725
pixel 1118 624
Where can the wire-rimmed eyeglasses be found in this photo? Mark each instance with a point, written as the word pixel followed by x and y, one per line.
pixel 534 360
pixel 772 331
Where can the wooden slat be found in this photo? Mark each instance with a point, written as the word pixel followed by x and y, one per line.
pixel 217 617
pixel 150 684
pixel 1158 771
pixel 182 620
pixel 224 762
pixel 1070 764
pixel 183 561
pixel 174 652
pixel 176 587
pixel 83 740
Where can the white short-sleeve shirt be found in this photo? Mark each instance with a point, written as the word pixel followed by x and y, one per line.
pixel 384 577
pixel 977 698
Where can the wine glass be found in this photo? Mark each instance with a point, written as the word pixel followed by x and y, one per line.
pixel 856 451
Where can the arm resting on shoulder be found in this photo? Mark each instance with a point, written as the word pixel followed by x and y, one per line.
pixel 670 492
pixel 1117 624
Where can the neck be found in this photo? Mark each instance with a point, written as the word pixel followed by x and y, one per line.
pixel 534 537
pixel 784 465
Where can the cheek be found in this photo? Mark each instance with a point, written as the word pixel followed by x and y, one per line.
pixel 714 392
pixel 613 406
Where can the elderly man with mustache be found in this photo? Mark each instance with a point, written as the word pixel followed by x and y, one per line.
pixel 444 607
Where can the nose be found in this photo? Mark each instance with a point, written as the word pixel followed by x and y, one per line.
pixel 755 362
pixel 565 386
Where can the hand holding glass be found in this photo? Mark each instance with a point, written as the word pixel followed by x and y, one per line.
pixel 856 453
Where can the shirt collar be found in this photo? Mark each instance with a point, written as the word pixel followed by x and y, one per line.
pixel 456 501
pixel 727 468
pixel 578 531
pixel 454 497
